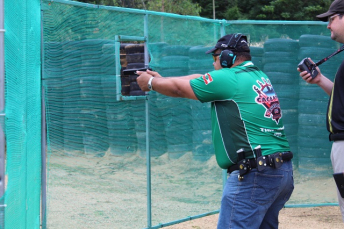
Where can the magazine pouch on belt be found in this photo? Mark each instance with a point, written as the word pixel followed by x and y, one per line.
pixel 273 160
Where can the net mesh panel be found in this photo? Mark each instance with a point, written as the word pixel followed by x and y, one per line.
pixel 97 166
pixel 23 114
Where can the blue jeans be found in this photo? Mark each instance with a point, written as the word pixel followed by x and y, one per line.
pixel 255 201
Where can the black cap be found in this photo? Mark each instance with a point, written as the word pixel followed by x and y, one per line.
pixel 235 42
pixel 337 7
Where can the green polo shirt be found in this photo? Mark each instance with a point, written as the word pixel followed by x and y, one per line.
pixel 245 112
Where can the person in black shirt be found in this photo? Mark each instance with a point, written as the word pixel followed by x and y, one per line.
pixel 335 110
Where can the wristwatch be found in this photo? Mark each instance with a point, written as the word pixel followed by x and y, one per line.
pixel 149 85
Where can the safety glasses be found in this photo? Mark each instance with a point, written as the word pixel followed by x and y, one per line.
pixel 331 19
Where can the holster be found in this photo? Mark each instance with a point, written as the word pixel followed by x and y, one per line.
pixel 245 166
pixel 273 160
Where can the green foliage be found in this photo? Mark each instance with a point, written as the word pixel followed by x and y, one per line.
pixel 101 2
pixel 232 13
pixel 183 7
pixel 299 10
pixel 222 7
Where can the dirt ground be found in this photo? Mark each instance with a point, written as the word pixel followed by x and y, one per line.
pixel 87 192
pixel 290 218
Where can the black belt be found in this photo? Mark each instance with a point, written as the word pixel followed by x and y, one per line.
pixel 336 137
pixel 267 160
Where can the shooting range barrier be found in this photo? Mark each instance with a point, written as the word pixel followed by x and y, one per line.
pixel 120 158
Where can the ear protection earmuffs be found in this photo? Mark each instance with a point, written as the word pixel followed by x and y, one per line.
pixel 227 58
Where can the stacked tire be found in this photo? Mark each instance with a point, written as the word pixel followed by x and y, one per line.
pixel 257 56
pixel 280 61
pixel 135 60
pixel 156 51
pixel 199 61
pixel 157 138
pixel 93 119
pixel 202 147
pixel 52 78
pixel 125 83
pixel 158 144
pixel 121 127
pixel 71 63
pixel 314 146
pixel 175 112
pixel 120 122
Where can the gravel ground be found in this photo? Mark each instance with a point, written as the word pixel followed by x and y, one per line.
pixel 86 191
pixel 290 218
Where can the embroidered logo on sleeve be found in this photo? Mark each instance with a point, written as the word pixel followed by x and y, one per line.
pixel 207 79
pixel 268 98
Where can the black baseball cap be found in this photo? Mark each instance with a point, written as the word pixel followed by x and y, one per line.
pixel 235 42
pixel 337 7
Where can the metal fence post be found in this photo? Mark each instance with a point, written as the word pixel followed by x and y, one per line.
pixel 43 140
pixel 2 107
pixel 149 185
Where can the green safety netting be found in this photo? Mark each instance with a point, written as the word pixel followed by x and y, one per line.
pixel 97 117
pixel 23 115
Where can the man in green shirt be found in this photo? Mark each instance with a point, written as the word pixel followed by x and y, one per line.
pixel 246 116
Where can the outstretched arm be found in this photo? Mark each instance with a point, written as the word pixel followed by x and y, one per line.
pixel 170 86
pixel 156 74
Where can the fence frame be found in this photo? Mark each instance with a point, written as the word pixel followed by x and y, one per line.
pixel 2 115
pixel 43 139
pixel 223 23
